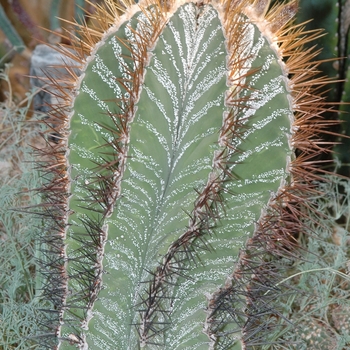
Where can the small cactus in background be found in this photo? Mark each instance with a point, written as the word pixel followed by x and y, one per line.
pixel 187 150
pixel 333 16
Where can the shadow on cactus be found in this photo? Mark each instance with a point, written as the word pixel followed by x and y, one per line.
pixel 175 192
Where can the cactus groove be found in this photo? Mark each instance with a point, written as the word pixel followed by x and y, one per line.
pixel 177 154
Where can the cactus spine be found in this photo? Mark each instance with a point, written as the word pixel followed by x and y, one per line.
pixel 177 152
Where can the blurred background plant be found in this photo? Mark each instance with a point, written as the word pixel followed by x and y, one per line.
pixel 18 230
pixel 22 24
pixel 319 310
pixel 318 315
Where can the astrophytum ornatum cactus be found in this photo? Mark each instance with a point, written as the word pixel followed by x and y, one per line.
pixel 177 149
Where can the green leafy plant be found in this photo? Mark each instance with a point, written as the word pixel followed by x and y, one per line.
pixel 318 305
pixel 19 230
pixel 10 32
pixel 182 177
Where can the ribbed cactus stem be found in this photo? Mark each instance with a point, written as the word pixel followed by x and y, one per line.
pixel 178 150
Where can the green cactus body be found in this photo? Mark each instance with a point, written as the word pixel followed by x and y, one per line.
pixel 327 13
pixel 343 87
pixel 180 139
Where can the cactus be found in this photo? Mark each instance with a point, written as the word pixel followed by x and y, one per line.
pixel 333 17
pixel 188 150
